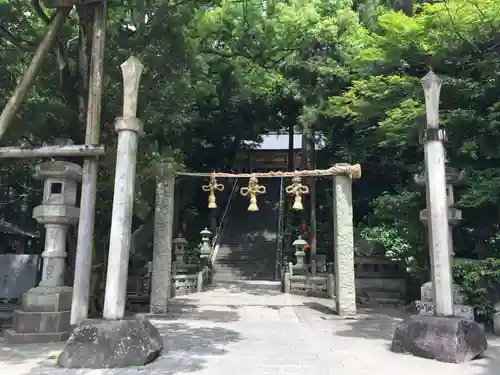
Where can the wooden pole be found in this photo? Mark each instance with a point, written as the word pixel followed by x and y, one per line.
pixel 83 262
pixel 51 151
pixel 17 98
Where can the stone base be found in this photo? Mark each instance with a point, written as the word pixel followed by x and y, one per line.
pixel 41 322
pixel 44 298
pixel 452 340
pixel 111 344
pixel 427 308
pixel 13 337
pixel 44 316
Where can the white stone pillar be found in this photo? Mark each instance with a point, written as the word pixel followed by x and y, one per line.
pixel 162 248
pixel 343 227
pixel 437 200
pixel 128 128
pixel 54 255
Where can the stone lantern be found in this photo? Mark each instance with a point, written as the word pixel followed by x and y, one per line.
pixel 180 244
pixel 299 245
pixel 46 309
pixel 206 248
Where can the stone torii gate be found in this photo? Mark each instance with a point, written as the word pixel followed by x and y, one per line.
pixel 343 229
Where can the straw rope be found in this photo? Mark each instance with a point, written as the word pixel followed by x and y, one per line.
pixel 352 171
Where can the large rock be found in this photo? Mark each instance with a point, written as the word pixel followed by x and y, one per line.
pixel 446 339
pixel 111 343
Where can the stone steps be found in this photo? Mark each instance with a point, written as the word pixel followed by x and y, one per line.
pixel 248 248
pixel 250 275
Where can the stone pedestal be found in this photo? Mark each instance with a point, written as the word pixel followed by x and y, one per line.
pixel 426 305
pixel 45 310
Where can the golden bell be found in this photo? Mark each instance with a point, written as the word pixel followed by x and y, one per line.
pixel 211 201
pixel 253 205
pixel 297 204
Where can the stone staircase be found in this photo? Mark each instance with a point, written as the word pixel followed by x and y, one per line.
pixel 248 243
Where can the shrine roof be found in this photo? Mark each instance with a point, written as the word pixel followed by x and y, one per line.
pixel 279 141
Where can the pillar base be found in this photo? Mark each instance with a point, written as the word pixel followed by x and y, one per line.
pixel 452 340
pixel 99 344
pixel 44 316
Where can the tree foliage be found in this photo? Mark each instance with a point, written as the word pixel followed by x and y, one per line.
pixel 219 73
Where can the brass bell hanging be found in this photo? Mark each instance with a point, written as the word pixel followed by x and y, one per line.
pixel 252 190
pixel 211 188
pixel 298 190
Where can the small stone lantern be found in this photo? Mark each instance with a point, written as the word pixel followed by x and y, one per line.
pixel 180 244
pixel 299 245
pixel 206 248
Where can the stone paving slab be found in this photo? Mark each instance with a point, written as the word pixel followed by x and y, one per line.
pixel 249 332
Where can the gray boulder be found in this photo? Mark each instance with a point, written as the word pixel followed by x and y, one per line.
pixel 445 339
pixel 111 344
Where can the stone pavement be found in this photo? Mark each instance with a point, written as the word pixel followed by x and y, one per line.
pixel 242 329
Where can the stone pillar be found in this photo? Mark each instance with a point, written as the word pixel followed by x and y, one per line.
pixel 426 304
pixel 54 255
pixel 162 248
pixel 343 228
pixel 436 199
pixel 46 309
pixel 128 128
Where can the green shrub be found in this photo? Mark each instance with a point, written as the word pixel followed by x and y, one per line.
pixel 480 282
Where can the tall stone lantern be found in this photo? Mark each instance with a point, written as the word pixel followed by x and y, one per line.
pixel 46 309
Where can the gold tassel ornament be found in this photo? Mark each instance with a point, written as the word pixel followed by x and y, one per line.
pixel 252 190
pixel 211 188
pixel 298 190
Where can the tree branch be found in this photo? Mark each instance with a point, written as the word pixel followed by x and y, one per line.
pixel 61 55
pixel 15 40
